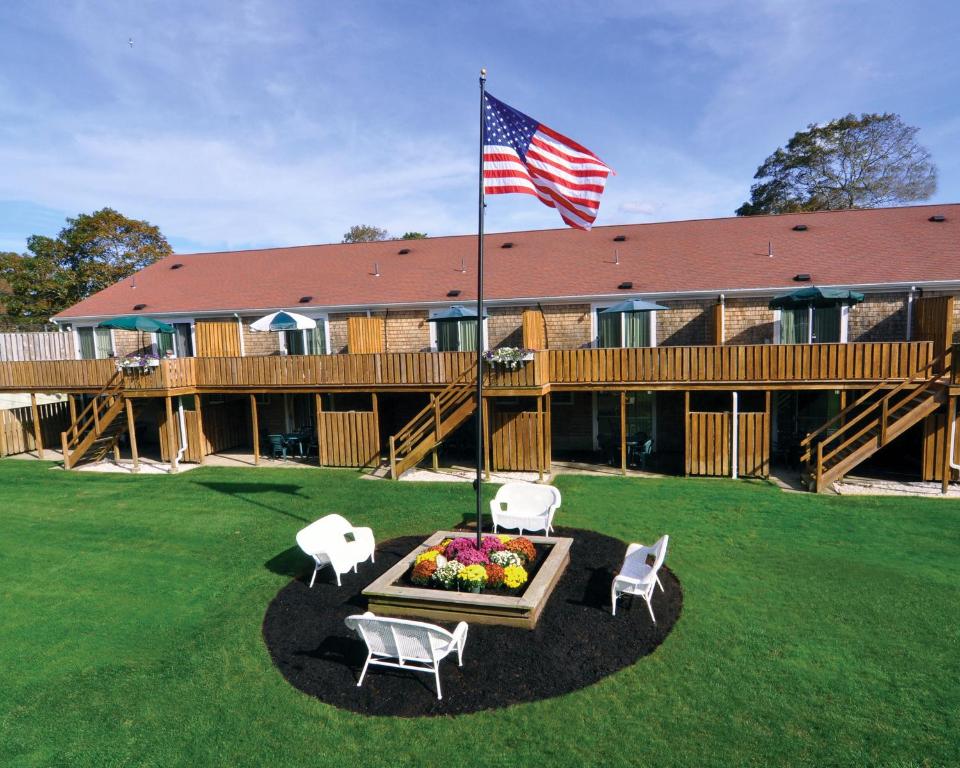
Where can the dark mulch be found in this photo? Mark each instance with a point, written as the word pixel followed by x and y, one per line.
pixel 576 643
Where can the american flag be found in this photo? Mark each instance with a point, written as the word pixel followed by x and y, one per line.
pixel 522 155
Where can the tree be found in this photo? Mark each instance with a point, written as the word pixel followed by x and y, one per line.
pixel 869 161
pixel 414 236
pixel 92 252
pixel 365 233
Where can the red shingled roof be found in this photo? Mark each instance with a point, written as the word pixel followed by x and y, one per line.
pixel 892 245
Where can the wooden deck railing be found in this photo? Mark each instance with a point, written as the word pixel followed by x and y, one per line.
pixel 867 362
pixel 742 363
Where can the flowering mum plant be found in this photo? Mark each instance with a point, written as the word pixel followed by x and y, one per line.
pixel 473 577
pixel 458 545
pixel 523 547
pixel 494 574
pixel 505 558
pixel 446 575
pixel 138 360
pixel 423 572
pixel 507 357
pixel 514 576
pixel 430 554
pixel 491 544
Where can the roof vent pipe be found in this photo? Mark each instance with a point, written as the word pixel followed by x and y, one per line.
pixel 770 248
pixel 376 269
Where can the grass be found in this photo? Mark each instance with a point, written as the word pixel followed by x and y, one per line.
pixel 816 630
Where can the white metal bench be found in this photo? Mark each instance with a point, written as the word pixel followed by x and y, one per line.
pixel 637 576
pixel 406 644
pixel 332 541
pixel 525 506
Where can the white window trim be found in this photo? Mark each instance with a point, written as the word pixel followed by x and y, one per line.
pixel 434 344
pixel 282 341
pixel 155 344
pixel 595 331
pixel 844 320
pixel 76 340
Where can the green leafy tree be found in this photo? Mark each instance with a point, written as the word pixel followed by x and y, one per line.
pixel 869 161
pixel 92 252
pixel 365 233
pixel 414 236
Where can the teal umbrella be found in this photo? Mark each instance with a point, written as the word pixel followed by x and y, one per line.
pixel 137 323
pixel 632 305
pixel 814 296
pixel 456 312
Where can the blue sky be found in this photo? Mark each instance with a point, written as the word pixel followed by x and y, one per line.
pixel 241 124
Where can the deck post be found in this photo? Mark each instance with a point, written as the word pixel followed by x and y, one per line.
pixel 201 435
pixel 376 425
pixel 948 434
pixel 548 434
pixel 255 429
pixel 132 431
pixel 321 442
pixel 623 432
pixel 37 436
pixel 72 405
pixel 485 418
pixel 171 433
pixel 686 433
pixel 540 438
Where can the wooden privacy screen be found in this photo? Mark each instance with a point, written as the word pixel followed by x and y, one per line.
pixel 515 440
pixel 753 456
pixel 534 329
pixel 37 346
pixel 933 321
pixel 349 439
pixel 717 323
pixel 365 335
pixel 213 429
pixel 709 444
pixel 16 427
pixel 936 433
pixel 217 338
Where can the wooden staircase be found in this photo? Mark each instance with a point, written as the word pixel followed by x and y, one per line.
pixel 425 431
pixel 865 426
pixel 97 428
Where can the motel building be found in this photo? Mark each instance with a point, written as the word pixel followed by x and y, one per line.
pixel 823 342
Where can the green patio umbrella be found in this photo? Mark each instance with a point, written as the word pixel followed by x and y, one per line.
pixel 140 323
pixel 632 305
pixel 456 312
pixel 814 296
pixel 137 323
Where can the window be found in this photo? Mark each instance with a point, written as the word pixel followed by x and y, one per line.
pixel 180 341
pixel 95 343
pixel 312 341
pixel 809 325
pixel 625 329
pixel 457 335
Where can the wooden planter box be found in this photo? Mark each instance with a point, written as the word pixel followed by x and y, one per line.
pixel 389 597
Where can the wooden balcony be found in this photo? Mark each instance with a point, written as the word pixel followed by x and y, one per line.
pixel 705 367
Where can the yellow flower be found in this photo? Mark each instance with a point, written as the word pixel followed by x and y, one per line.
pixel 474 573
pixel 443 544
pixel 514 576
pixel 430 554
pixel 503 538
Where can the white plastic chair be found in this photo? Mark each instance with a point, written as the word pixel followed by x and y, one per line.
pixel 525 506
pixel 406 644
pixel 327 542
pixel 637 577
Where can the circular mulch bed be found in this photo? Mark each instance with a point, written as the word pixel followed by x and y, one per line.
pixel 576 643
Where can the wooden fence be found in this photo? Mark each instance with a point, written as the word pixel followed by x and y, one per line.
pixel 933 321
pixel 936 436
pixel 217 338
pixel 37 345
pixel 709 444
pixel 365 335
pixel 349 439
pixel 515 440
pixel 16 427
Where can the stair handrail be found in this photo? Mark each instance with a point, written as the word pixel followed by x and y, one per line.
pixel 929 380
pixel 805 442
pixel 442 401
pixel 112 387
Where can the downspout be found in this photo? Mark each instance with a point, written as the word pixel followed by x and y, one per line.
pixel 183 431
pixel 910 313
pixel 240 331
pixel 953 444
pixel 735 438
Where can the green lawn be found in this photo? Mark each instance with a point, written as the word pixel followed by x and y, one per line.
pixel 816 630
